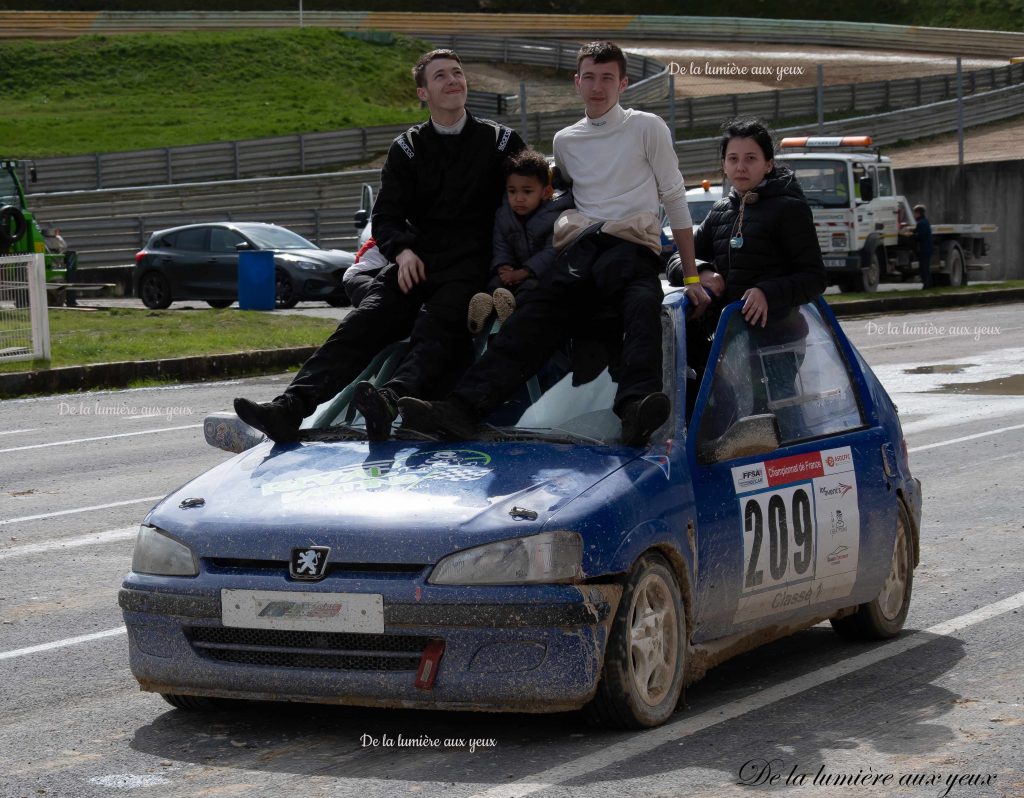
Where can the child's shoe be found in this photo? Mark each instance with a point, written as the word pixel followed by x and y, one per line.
pixel 481 306
pixel 504 303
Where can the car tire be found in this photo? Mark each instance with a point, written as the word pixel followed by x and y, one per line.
pixel 155 291
pixel 192 703
pixel 870 273
pixel 12 225
pixel 219 304
pixel 883 617
pixel 285 296
pixel 642 678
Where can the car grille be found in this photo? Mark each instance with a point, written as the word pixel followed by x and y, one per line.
pixel 318 650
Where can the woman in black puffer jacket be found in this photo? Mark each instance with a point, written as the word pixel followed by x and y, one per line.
pixel 759 243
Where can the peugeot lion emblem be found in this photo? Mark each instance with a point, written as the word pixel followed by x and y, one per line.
pixel 309 563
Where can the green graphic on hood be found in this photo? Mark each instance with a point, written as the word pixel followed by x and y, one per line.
pixel 448 465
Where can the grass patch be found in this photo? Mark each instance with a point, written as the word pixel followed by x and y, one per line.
pixel 838 299
pixel 119 334
pixel 137 91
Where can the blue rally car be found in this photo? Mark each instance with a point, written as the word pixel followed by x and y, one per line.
pixel 543 566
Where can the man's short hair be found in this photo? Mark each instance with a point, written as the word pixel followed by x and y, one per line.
pixel 602 53
pixel 529 163
pixel 421 65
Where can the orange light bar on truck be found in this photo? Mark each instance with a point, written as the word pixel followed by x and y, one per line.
pixel 705 184
pixel 826 141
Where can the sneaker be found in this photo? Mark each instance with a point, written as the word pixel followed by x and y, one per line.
pixel 504 303
pixel 443 418
pixel 379 407
pixel 274 419
pixel 480 309
pixel 641 417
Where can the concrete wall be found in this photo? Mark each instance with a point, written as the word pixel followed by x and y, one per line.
pixel 992 193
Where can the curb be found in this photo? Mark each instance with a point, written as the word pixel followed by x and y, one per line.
pixel 119 375
pixel 268 361
pixel 907 304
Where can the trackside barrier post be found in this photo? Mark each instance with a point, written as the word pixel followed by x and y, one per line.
pixel 24 323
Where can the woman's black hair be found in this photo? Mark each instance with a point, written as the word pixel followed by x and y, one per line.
pixel 749 129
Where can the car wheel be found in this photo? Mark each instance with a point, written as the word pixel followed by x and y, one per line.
pixel 155 291
pixel 220 304
pixel 194 703
pixel 883 617
pixel 870 273
pixel 285 296
pixel 642 677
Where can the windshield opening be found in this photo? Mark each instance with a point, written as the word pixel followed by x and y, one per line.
pixel 8 189
pixel 824 183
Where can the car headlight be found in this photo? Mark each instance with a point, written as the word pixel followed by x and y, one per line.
pixel 309 265
pixel 156 553
pixel 538 559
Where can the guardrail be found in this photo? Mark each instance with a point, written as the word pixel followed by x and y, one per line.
pixel 312 152
pixel 108 227
pixel 57 24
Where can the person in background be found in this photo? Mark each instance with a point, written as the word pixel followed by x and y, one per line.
pixel 923 237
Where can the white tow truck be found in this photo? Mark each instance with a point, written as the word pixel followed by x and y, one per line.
pixel 864 226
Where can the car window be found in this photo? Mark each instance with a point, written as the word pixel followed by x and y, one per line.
pixel 8 191
pixel 224 240
pixel 790 374
pixel 548 405
pixel 699 209
pixel 192 239
pixel 884 181
pixel 824 183
pixel 270 237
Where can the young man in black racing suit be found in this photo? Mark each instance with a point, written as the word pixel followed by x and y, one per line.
pixel 440 187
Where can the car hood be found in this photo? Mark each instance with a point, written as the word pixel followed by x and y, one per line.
pixel 328 257
pixel 395 502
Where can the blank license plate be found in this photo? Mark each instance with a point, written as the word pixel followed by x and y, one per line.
pixel 303 612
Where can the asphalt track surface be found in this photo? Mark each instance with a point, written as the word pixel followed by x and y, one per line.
pixel 940 708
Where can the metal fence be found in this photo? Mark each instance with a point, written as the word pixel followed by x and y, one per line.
pixel 313 152
pixel 108 227
pixel 24 323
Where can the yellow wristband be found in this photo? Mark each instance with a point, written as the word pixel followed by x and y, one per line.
pixel 691 280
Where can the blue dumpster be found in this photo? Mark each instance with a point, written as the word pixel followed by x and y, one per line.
pixel 256 280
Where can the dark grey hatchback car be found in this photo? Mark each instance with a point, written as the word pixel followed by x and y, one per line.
pixel 200 261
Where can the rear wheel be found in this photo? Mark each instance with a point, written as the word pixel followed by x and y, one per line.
pixel 285 295
pixel 884 616
pixel 642 678
pixel 220 304
pixel 155 291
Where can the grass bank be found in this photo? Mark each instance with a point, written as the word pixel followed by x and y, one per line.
pixel 111 335
pixel 136 91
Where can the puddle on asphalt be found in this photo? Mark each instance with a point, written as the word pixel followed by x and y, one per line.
pixel 1001 386
pixel 945 368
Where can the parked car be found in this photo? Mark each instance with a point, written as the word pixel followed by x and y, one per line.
pixel 200 261
pixel 544 566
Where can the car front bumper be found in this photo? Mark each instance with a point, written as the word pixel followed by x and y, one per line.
pixel 501 656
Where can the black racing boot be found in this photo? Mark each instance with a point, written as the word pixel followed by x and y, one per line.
pixel 446 418
pixel 641 417
pixel 379 407
pixel 277 420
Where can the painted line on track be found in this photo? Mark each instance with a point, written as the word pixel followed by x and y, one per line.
pixel 68 641
pixel 56 546
pixel 645 742
pixel 965 438
pixel 76 510
pixel 99 438
pixel 17 431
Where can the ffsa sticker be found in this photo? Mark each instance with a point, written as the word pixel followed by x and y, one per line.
pixel 801 531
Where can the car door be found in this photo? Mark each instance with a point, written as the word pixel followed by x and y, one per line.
pixel 222 262
pixel 794 509
pixel 190 270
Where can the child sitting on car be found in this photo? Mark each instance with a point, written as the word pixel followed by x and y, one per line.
pixel 523 232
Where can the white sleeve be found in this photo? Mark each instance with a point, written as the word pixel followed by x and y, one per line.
pixel 665 163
